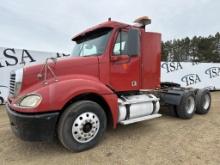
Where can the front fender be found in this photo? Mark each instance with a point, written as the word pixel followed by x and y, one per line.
pixel 63 91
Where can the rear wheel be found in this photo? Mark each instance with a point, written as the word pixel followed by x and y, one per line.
pixel 82 125
pixel 203 101
pixel 187 107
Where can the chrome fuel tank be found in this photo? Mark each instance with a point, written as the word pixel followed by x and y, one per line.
pixel 136 106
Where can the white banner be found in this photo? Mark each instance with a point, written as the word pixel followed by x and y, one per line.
pixel 198 75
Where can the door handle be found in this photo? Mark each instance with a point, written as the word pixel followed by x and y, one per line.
pixel 121 58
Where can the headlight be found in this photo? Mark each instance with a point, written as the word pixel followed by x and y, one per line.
pixel 30 101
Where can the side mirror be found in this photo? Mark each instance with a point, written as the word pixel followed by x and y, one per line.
pixel 133 42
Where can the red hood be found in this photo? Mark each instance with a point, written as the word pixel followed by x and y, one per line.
pixel 67 66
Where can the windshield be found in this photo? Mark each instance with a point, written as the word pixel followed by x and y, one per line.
pixel 92 43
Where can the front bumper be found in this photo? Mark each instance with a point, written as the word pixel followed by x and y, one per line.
pixel 33 127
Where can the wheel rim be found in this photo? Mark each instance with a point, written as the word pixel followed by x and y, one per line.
pixel 85 127
pixel 190 105
pixel 206 102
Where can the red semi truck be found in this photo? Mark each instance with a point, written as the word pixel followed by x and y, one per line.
pixel 112 77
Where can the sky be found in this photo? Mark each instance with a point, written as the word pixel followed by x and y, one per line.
pixel 49 25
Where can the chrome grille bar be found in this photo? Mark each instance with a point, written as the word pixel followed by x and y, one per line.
pixel 12 83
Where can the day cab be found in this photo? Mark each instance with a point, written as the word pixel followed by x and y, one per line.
pixel 111 78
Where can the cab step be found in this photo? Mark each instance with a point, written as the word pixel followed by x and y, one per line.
pixel 149 117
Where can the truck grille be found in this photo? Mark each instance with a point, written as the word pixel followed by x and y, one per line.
pixel 12 84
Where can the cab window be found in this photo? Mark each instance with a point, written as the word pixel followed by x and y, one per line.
pixel 92 43
pixel 121 43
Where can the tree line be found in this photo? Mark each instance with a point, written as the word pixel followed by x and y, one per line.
pixel 196 49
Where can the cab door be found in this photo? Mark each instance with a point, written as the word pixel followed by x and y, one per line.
pixel 124 68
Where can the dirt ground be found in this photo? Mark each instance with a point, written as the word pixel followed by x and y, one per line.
pixel 166 140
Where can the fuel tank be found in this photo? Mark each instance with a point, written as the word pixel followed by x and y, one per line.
pixel 136 106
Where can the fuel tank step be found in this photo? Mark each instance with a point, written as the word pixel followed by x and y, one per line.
pixel 149 117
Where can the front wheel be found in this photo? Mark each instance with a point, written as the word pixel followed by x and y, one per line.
pixel 81 125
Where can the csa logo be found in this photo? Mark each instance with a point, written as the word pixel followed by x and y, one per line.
pixel 171 66
pixel 213 72
pixel 190 79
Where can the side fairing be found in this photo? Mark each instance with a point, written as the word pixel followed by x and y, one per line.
pixel 150 58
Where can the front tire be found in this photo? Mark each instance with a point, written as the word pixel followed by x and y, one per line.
pixel 81 125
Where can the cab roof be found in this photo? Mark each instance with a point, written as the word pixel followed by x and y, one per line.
pixel 107 24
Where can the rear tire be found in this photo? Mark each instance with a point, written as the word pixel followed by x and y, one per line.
pixel 203 101
pixel 187 106
pixel 81 125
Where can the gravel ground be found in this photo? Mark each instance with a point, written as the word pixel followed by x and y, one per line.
pixel 166 140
